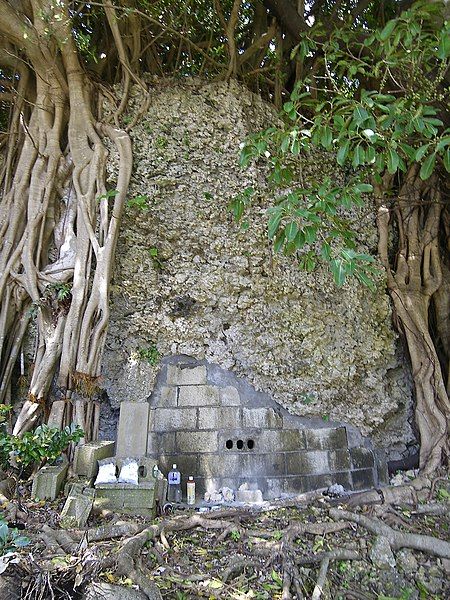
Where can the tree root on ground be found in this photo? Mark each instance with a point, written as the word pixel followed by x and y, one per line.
pixel 294 552
pixel 397 539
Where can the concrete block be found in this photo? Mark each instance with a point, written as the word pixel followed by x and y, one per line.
pixel 125 497
pixel 249 440
pixel 169 419
pixel 262 465
pixel 188 464
pixel 77 486
pixel 167 443
pixel 161 491
pixel 280 441
pixel 140 497
pixel 244 465
pixel 76 511
pixel 198 395
pixel 161 443
pixel 307 463
pixel 381 466
pixel 153 440
pixel 229 396
pixel 362 458
pixel 56 416
pixel 296 485
pixel 219 417
pixel 186 375
pixel 326 439
pixel 363 479
pixel 48 481
pixel 87 455
pixel 261 418
pixel 133 429
pixel 169 396
pixel 274 488
pixel 339 460
pixel 197 441
pixel 112 494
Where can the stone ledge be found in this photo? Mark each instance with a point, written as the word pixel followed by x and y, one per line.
pixel 186 375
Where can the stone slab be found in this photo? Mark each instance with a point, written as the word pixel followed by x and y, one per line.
pixel 285 440
pixel 326 438
pixel 198 395
pixel 170 419
pixel 236 465
pixel 219 417
pixel 169 396
pixel 229 396
pixel 363 479
pixel 133 429
pixel 186 375
pixel 362 458
pixel 261 418
pixel 86 457
pixel 127 497
pixel 76 511
pixel 197 441
pixel 339 460
pixel 307 462
pixel 48 481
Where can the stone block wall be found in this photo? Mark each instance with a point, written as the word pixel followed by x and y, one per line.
pixel 224 436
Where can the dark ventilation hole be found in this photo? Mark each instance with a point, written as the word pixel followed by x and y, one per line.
pixel 229 444
pixel 239 444
pixel 142 471
pixel 250 444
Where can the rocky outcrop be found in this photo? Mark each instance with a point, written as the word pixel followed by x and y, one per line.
pixel 190 281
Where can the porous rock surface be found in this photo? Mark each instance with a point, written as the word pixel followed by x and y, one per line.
pixel 189 280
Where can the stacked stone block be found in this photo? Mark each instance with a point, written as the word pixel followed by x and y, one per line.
pixel 221 439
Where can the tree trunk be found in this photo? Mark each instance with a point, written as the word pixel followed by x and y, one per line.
pixel 57 231
pixel 413 279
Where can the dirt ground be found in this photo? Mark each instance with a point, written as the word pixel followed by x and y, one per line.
pixel 316 547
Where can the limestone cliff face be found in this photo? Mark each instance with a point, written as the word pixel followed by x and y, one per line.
pixel 189 281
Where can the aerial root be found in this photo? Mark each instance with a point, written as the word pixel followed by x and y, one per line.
pixel 396 539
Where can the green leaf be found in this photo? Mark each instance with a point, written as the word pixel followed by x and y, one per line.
pixel 393 160
pixel 370 155
pixel 358 156
pixel 310 234
pixel 274 223
pixel 388 29
pixel 338 270
pixel 360 114
pixel 276 577
pixel 279 241
pixel 342 152
pixel 326 137
pixel 444 46
pixel 290 231
pixel 363 187
pixel 447 160
pixel 427 167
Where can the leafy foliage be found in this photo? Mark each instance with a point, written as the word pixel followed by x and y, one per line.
pixel 378 112
pixel 10 539
pixel 150 354
pixel 44 444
